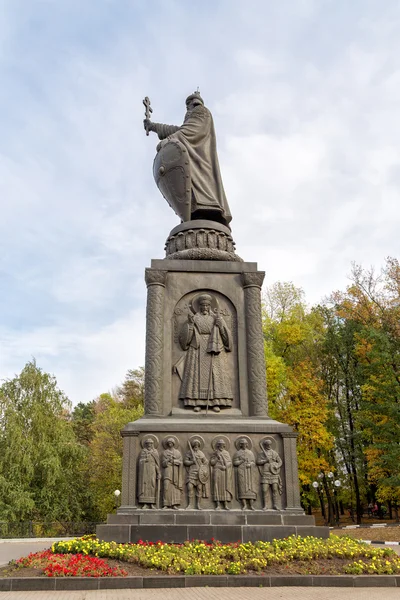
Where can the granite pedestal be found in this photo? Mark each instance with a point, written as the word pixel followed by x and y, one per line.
pixel 229 433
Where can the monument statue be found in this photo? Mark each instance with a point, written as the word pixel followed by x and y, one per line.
pixel 186 167
pixel 222 480
pixel 205 378
pixel 149 475
pixel 198 473
pixel 171 474
pixel 245 464
pixel 205 392
pixel 270 464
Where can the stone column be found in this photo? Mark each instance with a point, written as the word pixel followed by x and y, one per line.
pixel 291 471
pixel 155 281
pixel 128 496
pixel 252 283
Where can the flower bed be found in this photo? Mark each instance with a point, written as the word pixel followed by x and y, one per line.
pixel 315 555
pixel 69 565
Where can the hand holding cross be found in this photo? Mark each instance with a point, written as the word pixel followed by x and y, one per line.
pixel 147 113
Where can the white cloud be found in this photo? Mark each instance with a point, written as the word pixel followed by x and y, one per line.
pixel 305 103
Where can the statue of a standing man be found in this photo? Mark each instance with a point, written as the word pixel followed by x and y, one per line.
pixel 186 168
pixel 270 464
pixel 222 480
pixel 171 463
pixel 245 464
pixel 205 378
pixel 198 474
pixel 149 475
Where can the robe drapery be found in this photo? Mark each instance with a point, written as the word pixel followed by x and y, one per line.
pixel 245 474
pixel 198 136
pixel 149 469
pixel 172 477
pixel 205 371
pixel 221 480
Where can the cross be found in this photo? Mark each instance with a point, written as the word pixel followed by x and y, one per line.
pixel 148 110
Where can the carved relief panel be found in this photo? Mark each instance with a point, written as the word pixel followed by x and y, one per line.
pixel 204 353
pixel 211 471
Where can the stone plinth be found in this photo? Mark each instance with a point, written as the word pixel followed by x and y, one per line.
pixel 178 526
pixel 206 440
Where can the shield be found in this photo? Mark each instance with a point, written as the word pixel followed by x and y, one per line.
pixel 171 170
pixel 203 474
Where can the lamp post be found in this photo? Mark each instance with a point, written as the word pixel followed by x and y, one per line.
pixel 330 485
pixel 117 494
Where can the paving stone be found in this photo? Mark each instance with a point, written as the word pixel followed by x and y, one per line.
pixel 249 581
pixel 375 581
pixel 164 582
pixel 291 580
pixel 77 583
pixel 120 583
pixel 19 584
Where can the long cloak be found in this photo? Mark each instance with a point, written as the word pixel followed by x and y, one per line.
pixel 149 467
pixel 221 481
pixel 197 133
pixel 206 349
pixel 245 476
pixel 172 477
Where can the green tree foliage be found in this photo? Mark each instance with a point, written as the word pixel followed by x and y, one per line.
pixel 39 455
pixel 295 388
pixel 342 376
pixel 131 392
pixel 83 416
pixel 373 302
pixel 104 466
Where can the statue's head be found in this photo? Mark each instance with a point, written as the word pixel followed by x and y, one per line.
pixel 268 444
pixel 220 444
pixel 149 444
pixel 205 303
pixel 243 443
pixel 170 442
pixel 194 100
pixel 196 444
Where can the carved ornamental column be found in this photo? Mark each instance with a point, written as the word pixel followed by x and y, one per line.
pixel 128 497
pixel 257 377
pixel 291 471
pixel 155 281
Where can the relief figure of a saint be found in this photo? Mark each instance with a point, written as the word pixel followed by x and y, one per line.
pixel 206 338
pixel 222 476
pixel 171 474
pixel 245 464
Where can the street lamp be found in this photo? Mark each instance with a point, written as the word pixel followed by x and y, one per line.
pixel 330 485
pixel 117 494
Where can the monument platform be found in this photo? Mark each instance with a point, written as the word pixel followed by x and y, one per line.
pixel 178 526
pixel 206 461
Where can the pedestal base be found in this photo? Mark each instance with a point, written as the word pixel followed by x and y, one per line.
pixel 178 526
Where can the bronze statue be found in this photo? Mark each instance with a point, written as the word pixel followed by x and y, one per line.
pixel 270 464
pixel 171 474
pixel 205 379
pixel 198 474
pixel 245 464
pixel 186 167
pixel 222 480
pixel 149 475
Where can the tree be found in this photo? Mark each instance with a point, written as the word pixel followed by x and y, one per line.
pixel 105 451
pixel 39 455
pixel 295 389
pixel 342 376
pixel 131 392
pixel 373 302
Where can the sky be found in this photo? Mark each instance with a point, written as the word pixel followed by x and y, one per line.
pixel 305 96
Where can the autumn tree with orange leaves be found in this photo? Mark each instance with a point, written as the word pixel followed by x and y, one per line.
pixel 372 302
